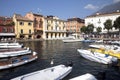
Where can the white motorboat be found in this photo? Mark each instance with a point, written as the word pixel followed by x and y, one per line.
pixel 14 52
pixel 11 45
pixel 17 61
pixel 99 41
pixel 71 40
pixel 96 56
pixel 53 73
pixel 86 76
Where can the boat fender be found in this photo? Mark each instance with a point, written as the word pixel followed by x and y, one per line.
pixel 34 53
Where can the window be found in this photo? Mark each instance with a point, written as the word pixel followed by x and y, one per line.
pixel 21 31
pixel 4 29
pixel 21 23
pixel 29 31
pixel 29 23
pixel 11 30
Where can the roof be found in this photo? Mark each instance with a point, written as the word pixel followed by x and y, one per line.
pixel 19 17
pixel 76 19
pixel 109 9
pixel 37 15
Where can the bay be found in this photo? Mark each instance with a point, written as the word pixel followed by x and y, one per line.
pixel 62 53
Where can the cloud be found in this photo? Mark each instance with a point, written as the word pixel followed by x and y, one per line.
pixel 115 1
pixel 91 7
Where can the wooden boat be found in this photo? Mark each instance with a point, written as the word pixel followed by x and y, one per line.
pixel 14 52
pixel 96 56
pixel 17 61
pixel 86 76
pixel 11 45
pixel 52 73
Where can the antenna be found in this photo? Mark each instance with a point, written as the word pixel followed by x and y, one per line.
pixel 38 10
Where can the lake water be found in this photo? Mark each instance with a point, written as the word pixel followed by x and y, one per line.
pixel 62 53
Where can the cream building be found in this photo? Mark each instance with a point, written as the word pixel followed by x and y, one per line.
pixel 54 28
pixel 98 20
pixel 23 27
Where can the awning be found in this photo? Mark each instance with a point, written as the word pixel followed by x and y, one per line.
pixel 7 34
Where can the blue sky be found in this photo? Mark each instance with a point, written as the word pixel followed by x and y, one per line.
pixel 64 9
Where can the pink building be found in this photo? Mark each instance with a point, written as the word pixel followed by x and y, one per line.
pixel 38 23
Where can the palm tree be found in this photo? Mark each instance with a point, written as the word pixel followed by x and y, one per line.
pixel 108 25
pixel 116 24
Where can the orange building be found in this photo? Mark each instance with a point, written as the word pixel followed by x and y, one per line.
pixel 74 25
pixel 38 23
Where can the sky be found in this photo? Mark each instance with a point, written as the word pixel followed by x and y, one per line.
pixel 63 9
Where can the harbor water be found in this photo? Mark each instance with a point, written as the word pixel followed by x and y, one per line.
pixel 62 53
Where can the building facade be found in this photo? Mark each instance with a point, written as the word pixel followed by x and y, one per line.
pixel 23 27
pixel 74 25
pixel 6 28
pixel 98 20
pixel 54 28
pixel 38 23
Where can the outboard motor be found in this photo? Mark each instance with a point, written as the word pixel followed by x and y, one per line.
pixel 114 61
pixel 69 64
pixel 115 48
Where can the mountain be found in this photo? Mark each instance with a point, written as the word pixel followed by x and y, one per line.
pixel 109 9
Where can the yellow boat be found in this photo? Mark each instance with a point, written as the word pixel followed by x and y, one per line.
pixel 110 52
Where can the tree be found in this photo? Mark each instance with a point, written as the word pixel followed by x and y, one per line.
pixel 116 24
pixel 84 29
pixel 90 28
pixel 99 29
pixel 108 25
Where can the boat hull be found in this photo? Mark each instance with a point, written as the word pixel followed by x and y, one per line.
pixel 17 52
pixel 73 40
pixel 53 73
pixel 86 76
pixel 96 57
pixel 17 61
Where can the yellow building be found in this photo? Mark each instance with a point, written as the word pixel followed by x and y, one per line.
pixel 23 27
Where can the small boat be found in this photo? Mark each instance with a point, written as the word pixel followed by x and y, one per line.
pixel 106 47
pixel 11 45
pixel 115 52
pixel 17 61
pixel 71 40
pixel 88 41
pixel 99 41
pixel 52 73
pixel 86 76
pixel 14 52
pixel 96 56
